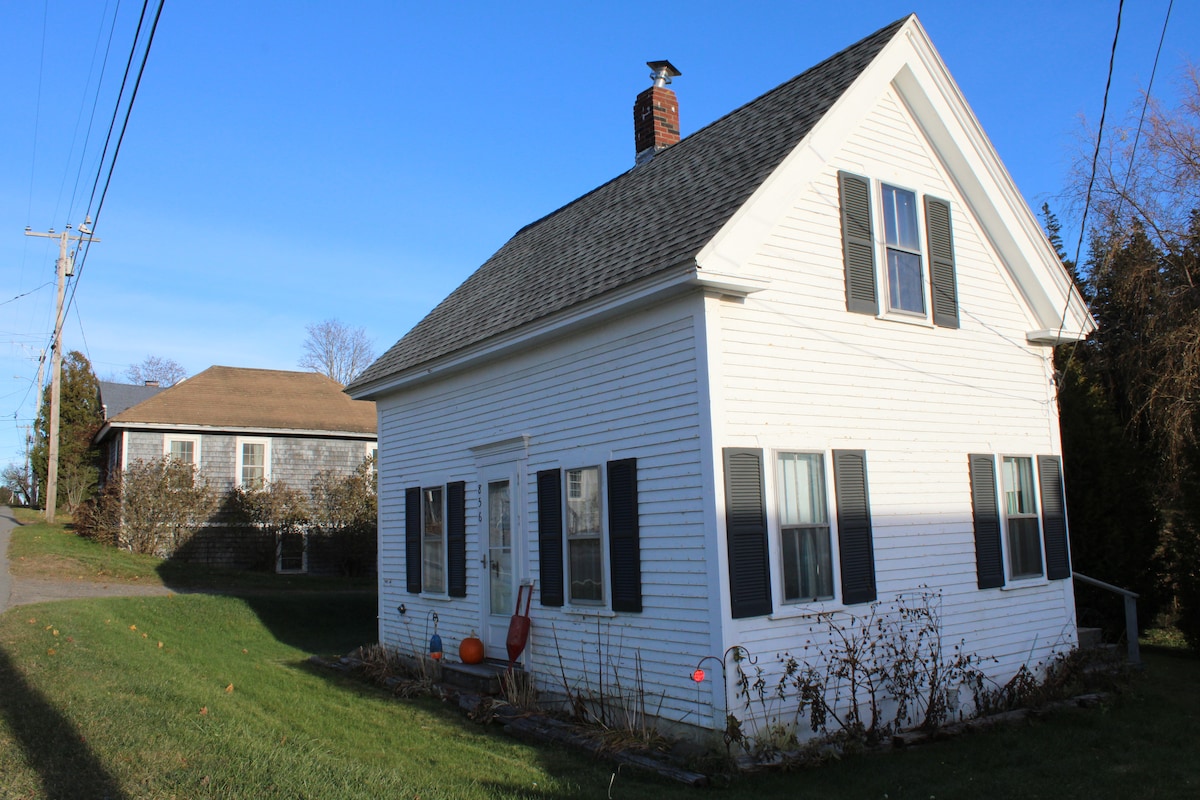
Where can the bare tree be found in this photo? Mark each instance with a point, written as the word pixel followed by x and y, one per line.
pixel 166 371
pixel 337 351
pixel 18 479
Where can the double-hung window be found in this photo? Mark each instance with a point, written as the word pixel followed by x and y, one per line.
pixel 911 267
pixel 589 541
pixel 804 527
pixel 905 274
pixel 585 557
pixel 1021 518
pixel 433 541
pixel 254 463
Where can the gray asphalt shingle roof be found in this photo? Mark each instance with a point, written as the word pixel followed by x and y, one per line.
pixel 116 397
pixel 656 216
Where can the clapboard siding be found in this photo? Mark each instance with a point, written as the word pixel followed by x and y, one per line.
pixel 627 390
pixel 800 372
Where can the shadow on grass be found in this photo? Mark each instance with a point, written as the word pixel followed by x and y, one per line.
pixel 317 622
pixel 52 745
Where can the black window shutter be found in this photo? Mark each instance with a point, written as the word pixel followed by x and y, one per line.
pixel 985 511
pixel 746 532
pixel 943 284
pixel 412 538
pixel 858 243
pixel 550 536
pixel 456 539
pixel 624 547
pixel 1054 518
pixel 855 544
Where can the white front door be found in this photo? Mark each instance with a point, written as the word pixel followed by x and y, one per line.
pixel 499 562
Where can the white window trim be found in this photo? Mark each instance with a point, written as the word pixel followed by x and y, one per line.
pixel 886 312
pixel 792 609
pixel 183 437
pixel 243 440
pixel 1011 581
pixel 569 603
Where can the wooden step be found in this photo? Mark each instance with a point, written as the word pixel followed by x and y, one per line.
pixel 481 679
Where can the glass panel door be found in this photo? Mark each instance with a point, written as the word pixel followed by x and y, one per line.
pixel 500 549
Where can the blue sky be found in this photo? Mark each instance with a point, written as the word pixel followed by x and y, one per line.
pixel 289 162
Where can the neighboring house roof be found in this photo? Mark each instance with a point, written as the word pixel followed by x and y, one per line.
pixel 654 217
pixel 116 397
pixel 260 399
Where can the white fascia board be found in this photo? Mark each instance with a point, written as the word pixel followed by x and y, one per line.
pixel 911 66
pixel 671 282
pixel 1054 337
pixel 938 106
pixel 168 427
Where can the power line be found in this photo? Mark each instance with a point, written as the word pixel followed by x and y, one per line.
pixel 95 98
pixel 1112 57
pixel 26 294
pixel 86 246
pixel 1099 132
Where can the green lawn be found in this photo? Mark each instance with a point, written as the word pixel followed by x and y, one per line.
pixel 38 550
pixel 211 696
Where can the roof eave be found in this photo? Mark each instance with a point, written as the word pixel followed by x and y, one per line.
pixel 672 281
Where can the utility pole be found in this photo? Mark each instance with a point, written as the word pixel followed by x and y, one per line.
pixel 64 268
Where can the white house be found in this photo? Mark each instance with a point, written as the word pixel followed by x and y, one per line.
pixel 797 362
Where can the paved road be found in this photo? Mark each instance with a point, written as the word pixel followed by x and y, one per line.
pixel 7 523
pixel 22 591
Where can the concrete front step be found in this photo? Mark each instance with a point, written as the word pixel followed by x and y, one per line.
pixel 1089 638
pixel 477 678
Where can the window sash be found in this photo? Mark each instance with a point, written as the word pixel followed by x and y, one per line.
pixel 433 550
pixel 804 527
pixel 807 563
pixel 1020 518
pixel 905 273
pixel 183 450
pixel 585 556
pixel 254 465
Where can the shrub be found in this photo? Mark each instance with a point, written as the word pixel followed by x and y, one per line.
pixel 151 507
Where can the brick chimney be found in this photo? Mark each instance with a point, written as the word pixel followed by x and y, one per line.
pixel 656 113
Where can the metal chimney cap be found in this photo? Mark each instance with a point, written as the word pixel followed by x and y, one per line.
pixel 663 72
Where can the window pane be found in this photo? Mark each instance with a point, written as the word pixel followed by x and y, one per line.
pixel 183 451
pixel 1024 547
pixel 587 582
pixel 801 489
pixel 583 501
pixel 1018 486
pixel 900 218
pixel 905 284
pixel 432 550
pixel 804 524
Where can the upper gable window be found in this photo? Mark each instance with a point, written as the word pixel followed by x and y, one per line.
pixel 907 270
pixel 905 275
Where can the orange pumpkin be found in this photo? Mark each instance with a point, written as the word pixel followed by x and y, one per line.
pixel 470 650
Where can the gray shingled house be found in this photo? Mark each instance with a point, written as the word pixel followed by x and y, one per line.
pixel 245 428
pixel 792 367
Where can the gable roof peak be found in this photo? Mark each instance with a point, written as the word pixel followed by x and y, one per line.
pixel 642 224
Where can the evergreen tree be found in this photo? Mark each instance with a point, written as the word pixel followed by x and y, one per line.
pixel 80 417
